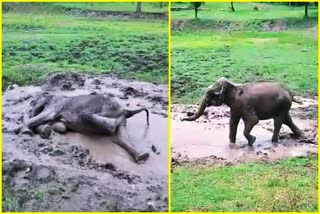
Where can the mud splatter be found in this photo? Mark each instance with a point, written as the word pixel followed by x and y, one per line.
pixel 205 141
pixel 74 172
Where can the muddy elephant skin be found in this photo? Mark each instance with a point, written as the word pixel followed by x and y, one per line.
pixel 250 102
pixel 87 114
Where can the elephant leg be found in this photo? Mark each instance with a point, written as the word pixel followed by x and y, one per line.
pixel 41 119
pixel 122 140
pixel 59 127
pixel 233 126
pixel 39 107
pixel 288 121
pixel 249 123
pixel 102 125
pixel 277 126
pixel 116 128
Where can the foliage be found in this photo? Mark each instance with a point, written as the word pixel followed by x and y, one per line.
pixel 280 47
pixel 38 44
pixel 289 185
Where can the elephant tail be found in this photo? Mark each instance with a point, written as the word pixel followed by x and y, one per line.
pixel 130 113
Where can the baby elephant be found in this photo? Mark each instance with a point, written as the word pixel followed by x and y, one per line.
pixel 251 102
pixel 87 114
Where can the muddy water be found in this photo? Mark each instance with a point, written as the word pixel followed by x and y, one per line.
pixel 143 137
pixel 208 136
pixel 89 169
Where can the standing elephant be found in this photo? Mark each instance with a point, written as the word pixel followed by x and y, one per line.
pixel 250 102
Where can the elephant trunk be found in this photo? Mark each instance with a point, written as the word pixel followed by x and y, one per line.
pixel 200 111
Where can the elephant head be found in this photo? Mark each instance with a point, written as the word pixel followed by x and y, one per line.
pixel 216 95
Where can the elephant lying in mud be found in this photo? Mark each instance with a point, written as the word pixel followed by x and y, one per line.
pixel 87 114
pixel 250 102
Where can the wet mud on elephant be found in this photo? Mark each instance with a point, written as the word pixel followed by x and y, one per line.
pixel 250 102
pixel 87 114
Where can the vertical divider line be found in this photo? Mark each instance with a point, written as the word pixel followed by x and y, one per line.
pixel 169 106
pixel 1 106
pixel 318 110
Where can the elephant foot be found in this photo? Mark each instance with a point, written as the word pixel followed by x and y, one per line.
pixel 59 127
pixel 298 134
pixel 142 158
pixel 45 132
pixel 27 132
pixel 252 140
pixel 232 141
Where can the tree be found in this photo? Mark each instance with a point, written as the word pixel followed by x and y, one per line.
pixel 196 6
pixel 232 8
pixel 306 9
pixel 6 7
pixel 138 10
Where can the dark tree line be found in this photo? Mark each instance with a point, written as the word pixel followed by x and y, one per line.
pixel 196 6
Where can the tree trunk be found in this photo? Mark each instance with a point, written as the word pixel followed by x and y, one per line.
pixel 138 10
pixel 196 11
pixel 306 9
pixel 232 8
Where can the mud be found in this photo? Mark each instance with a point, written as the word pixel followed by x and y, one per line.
pixel 205 141
pixel 269 25
pixel 75 172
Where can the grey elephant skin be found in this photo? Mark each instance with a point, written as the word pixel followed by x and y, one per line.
pixel 87 114
pixel 250 102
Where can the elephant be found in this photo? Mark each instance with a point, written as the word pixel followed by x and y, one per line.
pixel 88 114
pixel 251 102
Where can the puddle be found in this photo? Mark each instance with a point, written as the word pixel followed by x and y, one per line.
pixel 104 151
pixel 209 136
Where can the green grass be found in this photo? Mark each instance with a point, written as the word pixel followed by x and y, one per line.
pixel 38 44
pixel 289 185
pixel 244 11
pixel 13 201
pixel 234 45
pixel 115 6
pixel 54 8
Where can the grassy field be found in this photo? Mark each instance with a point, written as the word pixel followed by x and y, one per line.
pixel 243 11
pixel 40 39
pixel 289 185
pixel 274 43
pixel 117 6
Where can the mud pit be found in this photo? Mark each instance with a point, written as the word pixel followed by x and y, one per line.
pixel 75 172
pixel 206 141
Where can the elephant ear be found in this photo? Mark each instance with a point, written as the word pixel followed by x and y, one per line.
pixel 219 94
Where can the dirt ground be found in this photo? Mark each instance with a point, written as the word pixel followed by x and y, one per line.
pixel 74 172
pixel 205 141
